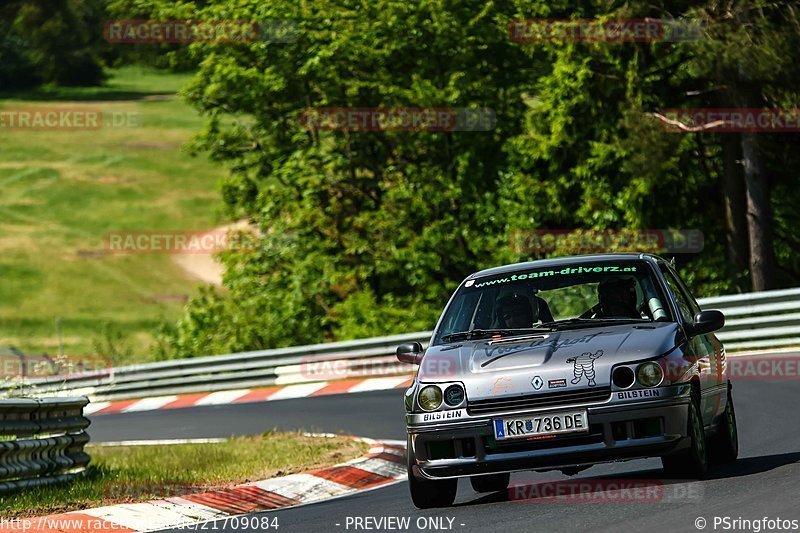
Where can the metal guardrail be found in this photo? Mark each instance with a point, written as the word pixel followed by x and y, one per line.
pixel 41 441
pixel 262 368
pixel 753 321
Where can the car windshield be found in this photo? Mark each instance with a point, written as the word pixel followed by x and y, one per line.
pixel 576 295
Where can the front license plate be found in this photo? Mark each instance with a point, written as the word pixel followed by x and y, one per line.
pixel 551 424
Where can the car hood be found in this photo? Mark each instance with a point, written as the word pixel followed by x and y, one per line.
pixel 549 362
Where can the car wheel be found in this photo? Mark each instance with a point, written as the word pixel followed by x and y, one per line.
pixel 490 483
pixel 691 463
pixel 427 494
pixel 723 447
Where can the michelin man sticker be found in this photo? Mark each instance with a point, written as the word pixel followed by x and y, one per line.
pixel 584 366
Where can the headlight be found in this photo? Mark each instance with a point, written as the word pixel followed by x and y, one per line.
pixel 430 398
pixel 650 374
pixel 453 395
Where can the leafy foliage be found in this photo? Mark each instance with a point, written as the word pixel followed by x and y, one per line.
pixel 51 41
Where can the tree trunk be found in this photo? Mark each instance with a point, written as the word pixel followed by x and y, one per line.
pixel 759 216
pixel 757 191
pixel 733 198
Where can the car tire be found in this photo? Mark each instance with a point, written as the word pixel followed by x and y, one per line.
pixel 691 463
pixel 490 483
pixel 723 447
pixel 427 494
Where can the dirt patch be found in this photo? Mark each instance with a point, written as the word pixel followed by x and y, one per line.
pixel 205 267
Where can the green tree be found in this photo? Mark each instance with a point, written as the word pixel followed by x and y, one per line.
pixel 367 233
pixel 391 220
pixel 51 41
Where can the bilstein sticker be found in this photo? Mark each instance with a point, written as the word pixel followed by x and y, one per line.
pixel 442 415
pixel 644 393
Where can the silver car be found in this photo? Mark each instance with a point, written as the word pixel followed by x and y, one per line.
pixel 560 364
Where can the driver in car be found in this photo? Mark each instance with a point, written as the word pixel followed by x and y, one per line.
pixel 514 311
pixel 617 298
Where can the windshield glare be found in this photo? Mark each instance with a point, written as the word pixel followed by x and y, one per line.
pixel 530 297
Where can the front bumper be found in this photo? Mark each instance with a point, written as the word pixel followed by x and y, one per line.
pixel 618 430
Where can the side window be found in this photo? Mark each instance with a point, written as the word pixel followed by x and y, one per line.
pixel 684 306
pixel 695 307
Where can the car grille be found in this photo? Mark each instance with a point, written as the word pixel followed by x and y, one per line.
pixel 536 401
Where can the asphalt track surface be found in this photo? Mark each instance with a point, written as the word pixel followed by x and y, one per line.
pixel 764 482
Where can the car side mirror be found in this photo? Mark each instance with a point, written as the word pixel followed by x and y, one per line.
pixel 705 322
pixel 410 352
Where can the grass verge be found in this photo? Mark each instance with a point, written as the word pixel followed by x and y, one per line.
pixel 64 190
pixel 127 474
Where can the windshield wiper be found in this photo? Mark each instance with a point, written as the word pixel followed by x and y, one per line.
pixel 478 333
pixel 590 321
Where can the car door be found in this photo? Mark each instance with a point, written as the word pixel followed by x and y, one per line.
pixel 711 344
pixel 705 349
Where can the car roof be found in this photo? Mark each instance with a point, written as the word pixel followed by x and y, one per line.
pixel 561 261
